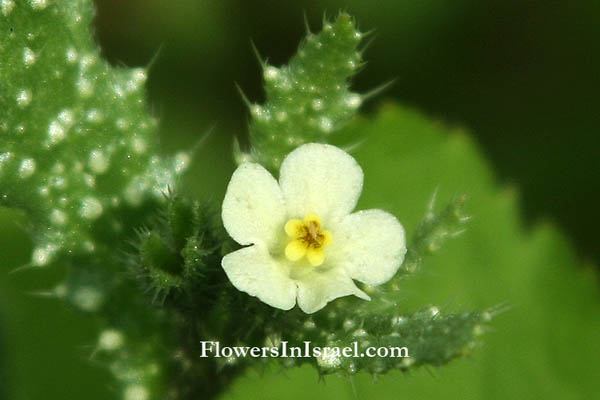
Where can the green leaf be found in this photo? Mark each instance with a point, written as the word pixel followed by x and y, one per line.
pixel 79 155
pixel 543 346
pixel 77 144
pixel 308 99
pixel 50 119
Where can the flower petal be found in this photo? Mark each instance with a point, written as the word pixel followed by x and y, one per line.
pixel 320 179
pixel 252 270
pixel 370 245
pixel 253 208
pixel 319 287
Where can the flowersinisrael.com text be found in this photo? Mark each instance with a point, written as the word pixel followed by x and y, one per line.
pixel 214 349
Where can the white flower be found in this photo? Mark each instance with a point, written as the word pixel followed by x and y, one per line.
pixel 307 247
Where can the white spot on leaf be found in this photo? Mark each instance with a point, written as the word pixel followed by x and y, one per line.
pixel 122 124
pixel 27 168
pixel 6 6
pixel 71 55
pixel 58 217
pixel 139 145
pixel 91 208
pixel 94 115
pixel 271 73
pixel 87 61
pixel 317 104
pixel 84 87
pixel 28 57
pixel 325 124
pixel 353 101
pixel 42 255
pixel 98 161
pixel 24 98
pixel 110 339
pixel 88 298
pixel 56 132
pixel 136 392
pixel 38 4
pixel 5 158
pixel 182 161
pixel 66 118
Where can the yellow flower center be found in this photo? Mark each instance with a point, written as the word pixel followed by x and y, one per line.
pixel 308 239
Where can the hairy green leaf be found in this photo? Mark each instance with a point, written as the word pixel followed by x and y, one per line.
pixel 552 301
pixel 308 99
pixel 77 144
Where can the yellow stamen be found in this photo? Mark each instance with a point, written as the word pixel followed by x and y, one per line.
pixel 295 250
pixel 310 217
pixel 294 228
pixel 308 239
pixel 327 238
pixel 315 257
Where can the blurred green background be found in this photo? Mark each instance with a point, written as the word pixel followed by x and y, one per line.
pixel 521 76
